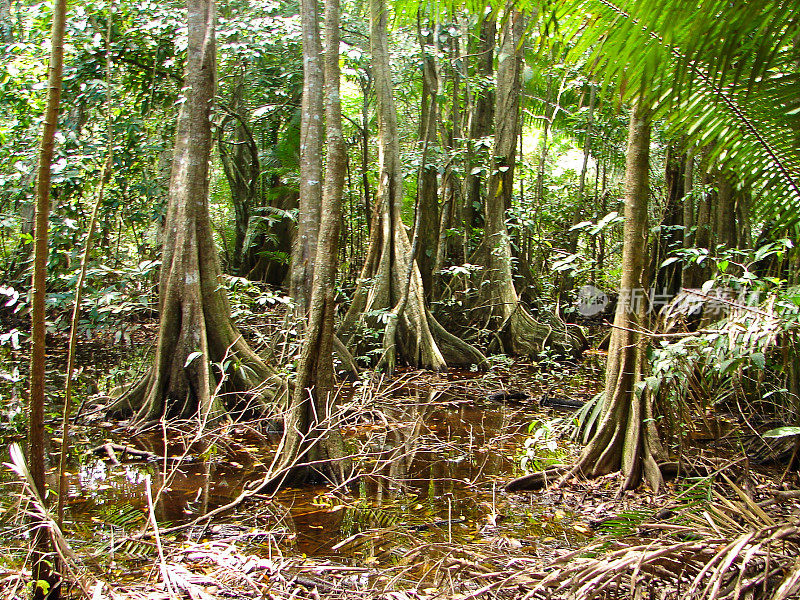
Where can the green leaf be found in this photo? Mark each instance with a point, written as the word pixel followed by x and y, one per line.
pixel 565 264
pixel 728 365
pixel 44 585
pixel 669 261
pixel 191 358
pixel 758 359
pixel 782 432
pixel 763 252
pixel 581 225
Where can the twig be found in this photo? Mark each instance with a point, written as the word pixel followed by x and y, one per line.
pixel 162 561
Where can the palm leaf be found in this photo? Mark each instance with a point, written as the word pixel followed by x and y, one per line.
pixel 721 73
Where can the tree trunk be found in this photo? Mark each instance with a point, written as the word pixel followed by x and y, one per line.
pixel 725 224
pixel 365 83
pixel 480 125
pixel 687 279
pixel 573 236
pixel 269 237
pixel 449 247
pixel 427 198
pixel 695 273
pixel 446 218
pixel 6 25
pixel 519 331
pixel 384 277
pixel 308 219
pixel 601 239
pixel 42 568
pixel 242 169
pixel 667 280
pixel 549 112
pixel 311 432
pixel 198 347
pixel 626 438
pixel 743 226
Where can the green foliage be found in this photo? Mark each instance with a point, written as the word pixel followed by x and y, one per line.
pixel 734 268
pixel 13 414
pixel 626 523
pixel 542 448
pixel 734 361
pixel 721 73
pixel 247 297
pixel 587 417
pixel 781 432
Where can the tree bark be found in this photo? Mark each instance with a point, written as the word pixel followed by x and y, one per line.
pixel 308 219
pixel 389 259
pixel 198 347
pixel 742 223
pixel 573 236
pixel 520 332
pixel 311 432
pixel 6 25
pixel 667 280
pixel 480 125
pixel 365 83
pixel 626 439
pixel 703 233
pixel 42 569
pixel 688 275
pixel 242 169
pixel 427 197
pixel 725 224
pixel 449 247
pixel 446 218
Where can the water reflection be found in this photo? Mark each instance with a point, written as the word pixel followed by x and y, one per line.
pixel 430 467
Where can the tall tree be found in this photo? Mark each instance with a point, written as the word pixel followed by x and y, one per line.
pixel 390 280
pixel 6 26
pixel 195 333
pixel 451 214
pixel 427 189
pixel 242 168
pixel 519 331
pixel 305 244
pixel 45 578
pixel 706 63
pixel 311 434
pixel 725 232
pixel 626 438
pixel 481 115
pixel 667 279
pixel 573 235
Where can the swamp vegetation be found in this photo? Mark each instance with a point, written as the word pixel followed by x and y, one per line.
pixel 402 301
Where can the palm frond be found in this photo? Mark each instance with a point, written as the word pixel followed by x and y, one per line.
pixel 722 74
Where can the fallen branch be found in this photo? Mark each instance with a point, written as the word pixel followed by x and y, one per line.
pixel 112 450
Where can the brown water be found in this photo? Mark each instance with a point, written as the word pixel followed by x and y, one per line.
pixel 434 474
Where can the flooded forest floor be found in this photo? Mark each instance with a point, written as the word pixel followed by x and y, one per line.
pixel 426 517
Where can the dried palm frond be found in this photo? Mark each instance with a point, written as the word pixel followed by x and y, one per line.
pixel 713 568
pixel 718 546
